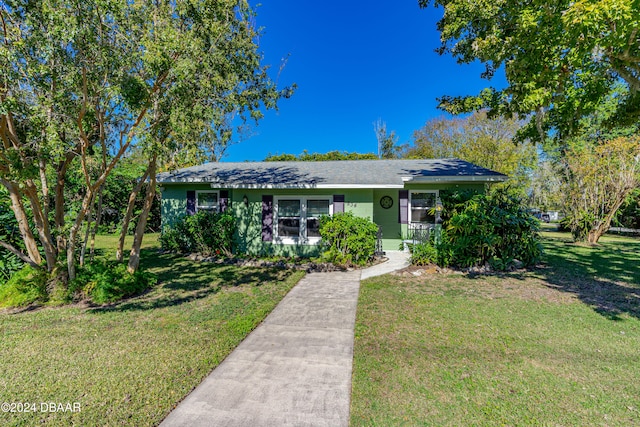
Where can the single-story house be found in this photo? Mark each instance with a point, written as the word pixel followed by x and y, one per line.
pixel 278 204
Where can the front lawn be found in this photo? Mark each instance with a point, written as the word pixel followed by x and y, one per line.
pixel 131 363
pixel 559 345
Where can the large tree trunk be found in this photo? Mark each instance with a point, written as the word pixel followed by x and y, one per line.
pixel 42 225
pixel 96 224
pixel 61 173
pixel 134 256
pixel 603 226
pixel 45 186
pixel 127 216
pixel 73 234
pixel 83 249
pixel 23 221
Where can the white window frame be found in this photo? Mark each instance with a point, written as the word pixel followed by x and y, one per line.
pixel 217 193
pixel 302 238
pixel 411 192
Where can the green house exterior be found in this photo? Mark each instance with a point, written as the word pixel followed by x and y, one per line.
pixel 277 204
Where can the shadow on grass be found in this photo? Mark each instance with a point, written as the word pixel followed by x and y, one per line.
pixel 605 277
pixel 181 280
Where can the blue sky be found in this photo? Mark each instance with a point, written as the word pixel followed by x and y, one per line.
pixel 354 62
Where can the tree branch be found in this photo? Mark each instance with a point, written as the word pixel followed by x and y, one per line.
pixel 631 42
pixel 633 81
pixel 19 254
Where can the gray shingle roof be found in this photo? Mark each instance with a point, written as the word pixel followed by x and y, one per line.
pixel 331 174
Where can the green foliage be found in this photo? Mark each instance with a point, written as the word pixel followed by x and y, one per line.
pixel 544 192
pixel 9 264
pixel 349 239
pixel 115 193
pixel 629 214
pixel 598 178
pixel 85 82
pixel 495 227
pixel 208 233
pixel 26 286
pixel 479 139
pixel 578 224
pixel 479 229
pixel 9 233
pixel 424 253
pixel 108 281
pixel 387 141
pixel 318 157
pixel 562 59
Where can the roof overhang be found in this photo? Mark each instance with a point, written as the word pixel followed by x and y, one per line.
pixel 300 186
pixel 455 178
pixel 405 180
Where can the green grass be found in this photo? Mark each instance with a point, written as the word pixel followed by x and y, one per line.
pixel 557 346
pixel 131 363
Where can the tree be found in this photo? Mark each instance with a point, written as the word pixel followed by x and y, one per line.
pixel 11 255
pixel 479 140
pixel 629 213
pixel 387 141
pixel 87 80
pixel 599 178
pixel 319 157
pixel 546 186
pixel 561 58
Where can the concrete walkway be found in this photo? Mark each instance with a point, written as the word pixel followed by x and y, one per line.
pixel 295 368
pixel 397 260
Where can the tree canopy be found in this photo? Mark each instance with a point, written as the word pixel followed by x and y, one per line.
pixel 84 81
pixel 561 58
pixel 305 156
pixel 477 139
pixel 387 141
pixel 598 180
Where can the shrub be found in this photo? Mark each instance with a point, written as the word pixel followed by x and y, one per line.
pixel 208 233
pixel 9 233
pixel 496 228
pixel 348 239
pixel 109 281
pixel 26 286
pixel 478 229
pixel 579 224
pixel 424 253
pixel 9 264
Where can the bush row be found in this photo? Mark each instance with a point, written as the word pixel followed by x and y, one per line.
pixel 208 233
pixel 98 282
pixel 477 229
pixel 346 239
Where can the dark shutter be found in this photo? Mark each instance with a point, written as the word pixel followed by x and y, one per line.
pixel 338 203
pixel 267 218
pixel 224 200
pixel 403 206
pixel 191 202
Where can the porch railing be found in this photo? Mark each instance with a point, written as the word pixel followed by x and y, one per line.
pixel 418 233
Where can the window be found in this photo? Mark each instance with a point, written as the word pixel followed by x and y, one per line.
pixel 207 201
pixel 289 215
pixel 422 204
pixel 298 218
pixel 315 209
